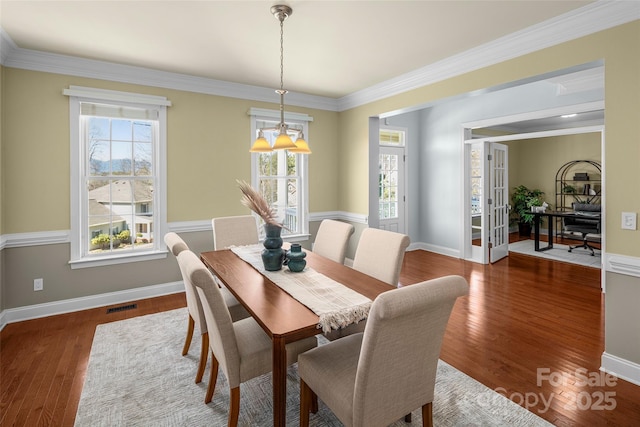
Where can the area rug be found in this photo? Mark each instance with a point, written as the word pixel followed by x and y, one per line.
pixel 559 253
pixel 137 377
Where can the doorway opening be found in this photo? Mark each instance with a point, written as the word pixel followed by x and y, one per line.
pixel 477 215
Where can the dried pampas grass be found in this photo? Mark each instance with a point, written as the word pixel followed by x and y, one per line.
pixel 254 201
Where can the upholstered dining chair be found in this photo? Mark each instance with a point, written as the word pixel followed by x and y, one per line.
pixel 332 239
pixel 242 349
pixel 234 231
pixel 380 254
pixel 376 377
pixel 196 315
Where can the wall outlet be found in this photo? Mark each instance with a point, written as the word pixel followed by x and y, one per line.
pixel 629 220
pixel 38 284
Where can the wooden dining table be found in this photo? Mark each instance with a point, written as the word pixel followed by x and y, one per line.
pixel 281 316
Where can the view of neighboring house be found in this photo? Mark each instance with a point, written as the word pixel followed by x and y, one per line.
pixel 123 204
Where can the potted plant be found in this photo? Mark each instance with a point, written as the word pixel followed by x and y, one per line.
pixel 523 199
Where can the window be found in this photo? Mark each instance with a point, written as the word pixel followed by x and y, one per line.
pixel 280 176
pixel 390 175
pixel 118 175
pixel 394 137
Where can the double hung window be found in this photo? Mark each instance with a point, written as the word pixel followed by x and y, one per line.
pixel 280 176
pixel 118 176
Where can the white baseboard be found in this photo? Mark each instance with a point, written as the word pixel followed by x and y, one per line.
pixel 76 304
pixel 435 249
pixel 621 368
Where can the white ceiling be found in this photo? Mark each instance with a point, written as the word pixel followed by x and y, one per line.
pixel 331 48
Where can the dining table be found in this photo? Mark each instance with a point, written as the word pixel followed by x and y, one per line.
pixel 281 316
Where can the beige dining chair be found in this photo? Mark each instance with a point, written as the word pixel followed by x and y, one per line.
pixel 234 231
pixel 377 377
pixel 332 239
pixel 380 254
pixel 194 307
pixel 241 349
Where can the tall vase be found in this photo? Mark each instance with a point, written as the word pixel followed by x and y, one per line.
pixel 272 254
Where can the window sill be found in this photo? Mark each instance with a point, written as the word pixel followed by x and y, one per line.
pixel 117 259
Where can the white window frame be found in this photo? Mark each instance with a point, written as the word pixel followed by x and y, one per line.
pixel 297 119
pixel 79 203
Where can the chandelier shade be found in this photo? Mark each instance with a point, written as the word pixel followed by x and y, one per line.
pixel 301 146
pixel 261 145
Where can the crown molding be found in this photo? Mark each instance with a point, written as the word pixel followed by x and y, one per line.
pixel 15 57
pixel 589 19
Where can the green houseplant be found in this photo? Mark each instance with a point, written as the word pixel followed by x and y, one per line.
pixel 523 199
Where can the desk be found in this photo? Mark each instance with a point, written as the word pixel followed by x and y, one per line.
pixel 282 317
pixel 553 214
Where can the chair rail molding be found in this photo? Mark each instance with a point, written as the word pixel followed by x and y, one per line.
pixel 622 264
pixel 37 238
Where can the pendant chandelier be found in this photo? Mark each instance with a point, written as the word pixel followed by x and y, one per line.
pixel 283 141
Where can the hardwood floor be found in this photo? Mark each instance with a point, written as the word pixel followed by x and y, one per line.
pixel 43 362
pixel 522 314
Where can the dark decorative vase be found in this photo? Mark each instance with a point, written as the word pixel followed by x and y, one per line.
pixel 272 254
pixel 295 258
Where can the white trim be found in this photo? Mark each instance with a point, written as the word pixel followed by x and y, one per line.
pixel 68 65
pixel 6 46
pixel 541 134
pixel 538 114
pixel 120 258
pixel 622 264
pixel 190 226
pixel 613 263
pixel 38 238
pixel 595 17
pixel 435 249
pixel 621 368
pixel 319 216
pixel 116 96
pixel 340 215
pixel 18 240
pixel 275 115
pixel 36 311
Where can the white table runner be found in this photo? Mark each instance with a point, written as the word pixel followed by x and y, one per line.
pixel 336 305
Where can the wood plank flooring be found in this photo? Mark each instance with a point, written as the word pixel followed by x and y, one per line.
pixel 522 314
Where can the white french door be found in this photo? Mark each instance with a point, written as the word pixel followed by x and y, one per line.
pixel 487 205
pixel 499 201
